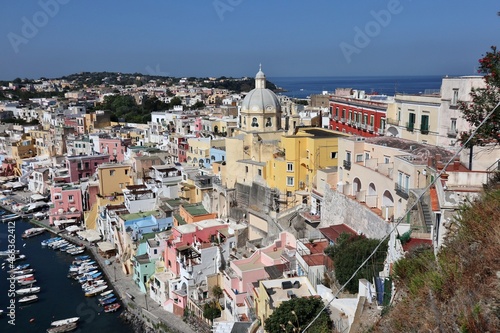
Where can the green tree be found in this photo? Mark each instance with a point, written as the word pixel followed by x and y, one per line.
pixel 211 310
pixel 294 315
pixel 349 253
pixel 483 101
pixel 175 101
pixel 217 292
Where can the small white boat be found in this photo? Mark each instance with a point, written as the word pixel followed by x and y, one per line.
pixel 106 293
pixel 32 232
pixel 22 277
pixel 26 291
pixel 7 253
pixel 95 291
pixel 65 321
pixel 63 328
pixel 28 299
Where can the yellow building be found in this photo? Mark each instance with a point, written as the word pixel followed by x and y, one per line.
pixel 113 178
pixel 44 142
pixel 24 148
pixel 302 154
pixel 199 150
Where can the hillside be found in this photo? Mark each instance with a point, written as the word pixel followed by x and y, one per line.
pixel 457 291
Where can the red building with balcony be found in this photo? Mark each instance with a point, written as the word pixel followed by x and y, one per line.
pixel 357 116
pixel 84 165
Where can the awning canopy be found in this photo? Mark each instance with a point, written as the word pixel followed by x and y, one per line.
pixel 37 197
pixel 90 235
pixel 105 246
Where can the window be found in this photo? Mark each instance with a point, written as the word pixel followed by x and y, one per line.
pixel 337 112
pixel 424 124
pixel 289 167
pixel 454 98
pixel 289 194
pixel 453 127
pixel 259 172
pixel 382 124
pixel 348 156
pixel 359 158
pixel 367 156
pixel 289 181
pixel 111 172
pixel 268 122
pixel 307 153
pixel 386 159
pixel 254 122
pixel 126 171
pixel 411 121
pixel 343 114
pixel 333 154
pixel 372 120
pixel 71 198
pixel 246 169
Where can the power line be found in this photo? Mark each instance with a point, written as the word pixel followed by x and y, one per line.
pixel 443 170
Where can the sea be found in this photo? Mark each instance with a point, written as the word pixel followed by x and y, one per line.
pixel 302 87
pixel 59 298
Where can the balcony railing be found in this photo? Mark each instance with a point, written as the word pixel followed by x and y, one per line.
pixel 363 126
pixel 401 191
pixel 347 165
pixel 369 127
pixel 424 129
pixel 381 131
pixel 409 127
pixel 343 120
pixel 452 132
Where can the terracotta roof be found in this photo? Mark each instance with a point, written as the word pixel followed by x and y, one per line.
pixel 414 242
pixel 434 199
pixel 317 247
pixel 334 231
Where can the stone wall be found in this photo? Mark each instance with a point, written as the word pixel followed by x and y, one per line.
pixel 338 208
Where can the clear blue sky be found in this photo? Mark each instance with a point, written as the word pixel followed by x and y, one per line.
pixel 231 37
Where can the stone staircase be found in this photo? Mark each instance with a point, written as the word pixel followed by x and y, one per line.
pixel 427 217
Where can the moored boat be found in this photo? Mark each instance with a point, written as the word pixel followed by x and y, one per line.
pixel 108 301
pixel 26 291
pixel 19 268
pixel 63 328
pixel 7 253
pixel 50 241
pixel 108 296
pixel 26 282
pixel 28 299
pixel 112 307
pixel 32 232
pixel 107 293
pixel 65 321
pixel 23 277
pixel 95 291
pixel 9 217
pixel 24 271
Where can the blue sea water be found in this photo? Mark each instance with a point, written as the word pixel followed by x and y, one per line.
pixel 301 87
pixel 59 298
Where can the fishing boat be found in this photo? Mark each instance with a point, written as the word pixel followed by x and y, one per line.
pixel 9 217
pixel 29 279
pixel 8 253
pixel 23 277
pixel 108 301
pixel 82 257
pixel 63 328
pixel 28 299
pixel 95 291
pixel 65 321
pixel 19 268
pixel 93 284
pixel 16 258
pixel 24 271
pixel 74 253
pixel 32 232
pixel 112 307
pixel 102 299
pixel 50 240
pixel 107 293
pixel 26 291
pixel 26 282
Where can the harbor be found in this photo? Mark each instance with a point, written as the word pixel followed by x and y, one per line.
pixel 52 269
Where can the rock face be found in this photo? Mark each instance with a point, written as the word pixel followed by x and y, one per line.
pixel 137 324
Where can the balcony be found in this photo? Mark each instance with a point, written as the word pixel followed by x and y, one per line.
pixel 452 132
pixel 401 191
pixel 381 131
pixel 347 165
pixel 409 127
pixel 343 120
pixel 424 129
pixel 363 126
pixel 369 128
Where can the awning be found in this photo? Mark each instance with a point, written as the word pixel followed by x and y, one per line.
pixel 105 246
pixel 90 235
pixel 37 197
pixel 60 222
pixel 72 228
pixel 18 185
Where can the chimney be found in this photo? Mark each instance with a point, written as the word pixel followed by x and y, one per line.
pixel 456 165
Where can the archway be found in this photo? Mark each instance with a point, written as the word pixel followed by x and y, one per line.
pixel 372 189
pixel 356 185
pixel 393 131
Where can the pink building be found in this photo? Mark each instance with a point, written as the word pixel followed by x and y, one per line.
pixel 198 126
pixel 115 147
pixel 239 278
pixel 83 166
pixel 66 205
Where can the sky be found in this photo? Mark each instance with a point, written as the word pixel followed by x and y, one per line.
pixel 202 38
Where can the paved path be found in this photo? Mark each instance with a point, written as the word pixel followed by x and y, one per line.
pixel 123 284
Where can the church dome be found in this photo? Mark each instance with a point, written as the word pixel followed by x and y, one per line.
pixel 260 99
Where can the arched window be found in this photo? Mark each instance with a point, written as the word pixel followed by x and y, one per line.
pixel 213 158
pixel 254 122
pixel 268 122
